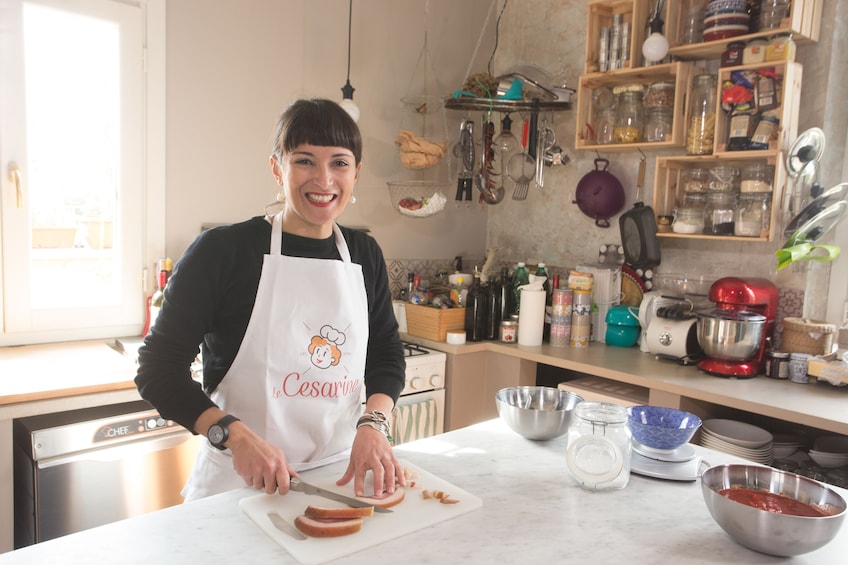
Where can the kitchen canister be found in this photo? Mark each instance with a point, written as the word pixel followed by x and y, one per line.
pixel 798 367
pixel 561 312
pixel 598 448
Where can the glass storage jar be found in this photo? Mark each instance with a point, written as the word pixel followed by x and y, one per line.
pixel 598 446
pixel 695 200
pixel 781 47
pixel 660 95
pixel 658 124
pixel 629 118
pixel 755 51
pixel 757 177
pixel 688 220
pixel 753 214
pixel 700 133
pixel 695 180
pixel 724 179
pixel 604 126
pixel 720 212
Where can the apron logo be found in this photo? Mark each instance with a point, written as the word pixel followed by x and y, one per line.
pixel 324 349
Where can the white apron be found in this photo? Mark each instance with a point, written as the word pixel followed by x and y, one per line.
pixel 297 377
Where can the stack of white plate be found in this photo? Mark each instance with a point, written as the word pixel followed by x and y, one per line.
pixel 738 438
pixel 787 444
pixel 830 451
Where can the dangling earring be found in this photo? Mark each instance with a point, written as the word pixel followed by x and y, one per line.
pixel 281 196
pixel 353 199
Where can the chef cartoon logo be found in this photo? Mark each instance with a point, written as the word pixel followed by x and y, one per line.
pixel 324 349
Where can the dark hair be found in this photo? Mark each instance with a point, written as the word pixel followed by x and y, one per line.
pixel 317 122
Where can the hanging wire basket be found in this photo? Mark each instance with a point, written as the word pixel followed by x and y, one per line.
pixel 417 198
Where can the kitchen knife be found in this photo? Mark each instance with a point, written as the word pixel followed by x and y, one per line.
pixel 285 527
pixel 306 488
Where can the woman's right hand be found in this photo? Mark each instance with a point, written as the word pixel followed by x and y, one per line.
pixel 260 464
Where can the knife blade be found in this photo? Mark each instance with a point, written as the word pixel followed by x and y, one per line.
pixel 285 527
pixel 300 486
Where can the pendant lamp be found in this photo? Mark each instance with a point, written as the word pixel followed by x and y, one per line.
pixel 347 90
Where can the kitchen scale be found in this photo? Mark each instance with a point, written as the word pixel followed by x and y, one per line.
pixel 681 464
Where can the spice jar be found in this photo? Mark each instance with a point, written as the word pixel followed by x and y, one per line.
pixel 658 124
pixel 660 95
pixel 753 214
pixel 629 119
pixel 732 55
pixel 700 134
pixel 695 180
pixel 780 47
pixel 755 51
pixel 604 126
pixel 777 365
pixel 599 446
pixel 757 177
pixel 721 209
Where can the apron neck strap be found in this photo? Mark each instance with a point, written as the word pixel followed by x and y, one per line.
pixel 277 238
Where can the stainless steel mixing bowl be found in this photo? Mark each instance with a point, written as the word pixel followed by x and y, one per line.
pixel 770 532
pixel 536 412
pixel 730 335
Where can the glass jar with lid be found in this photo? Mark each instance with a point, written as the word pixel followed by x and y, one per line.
pixel 629 117
pixel 724 179
pixel 604 126
pixel 695 180
pixel 700 133
pixel 720 213
pixel 598 446
pixel 658 124
pixel 753 214
pixel 755 51
pixel 732 55
pixel 781 47
pixel 757 177
pixel 688 220
pixel 660 95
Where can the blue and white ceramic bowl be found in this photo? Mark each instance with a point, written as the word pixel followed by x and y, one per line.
pixel 661 428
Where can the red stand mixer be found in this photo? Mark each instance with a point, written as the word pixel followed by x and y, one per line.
pixel 735 335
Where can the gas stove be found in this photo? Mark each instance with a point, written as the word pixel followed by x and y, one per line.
pixel 425 368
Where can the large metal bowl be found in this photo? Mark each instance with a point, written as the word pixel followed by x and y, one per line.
pixel 536 412
pixel 769 532
pixel 730 335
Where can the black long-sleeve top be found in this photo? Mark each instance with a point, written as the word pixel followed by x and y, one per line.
pixel 208 302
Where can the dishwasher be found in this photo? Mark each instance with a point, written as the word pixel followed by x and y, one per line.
pixel 79 469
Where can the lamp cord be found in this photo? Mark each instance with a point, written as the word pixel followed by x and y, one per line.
pixel 349 24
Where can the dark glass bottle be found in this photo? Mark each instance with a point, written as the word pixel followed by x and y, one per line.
pixel 546 329
pixel 494 309
pixel 507 299
pixel 475 311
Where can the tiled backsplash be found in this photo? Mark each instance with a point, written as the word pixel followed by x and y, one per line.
pixel 790 303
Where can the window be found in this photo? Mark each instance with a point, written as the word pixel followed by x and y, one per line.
pixel 73 148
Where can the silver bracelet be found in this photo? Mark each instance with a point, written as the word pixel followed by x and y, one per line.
pixel 376 420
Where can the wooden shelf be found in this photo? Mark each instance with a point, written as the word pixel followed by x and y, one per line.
pixel 677 73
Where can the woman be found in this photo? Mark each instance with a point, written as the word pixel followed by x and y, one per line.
pixel 293 317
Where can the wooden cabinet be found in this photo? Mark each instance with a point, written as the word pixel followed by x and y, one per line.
pixel 803 22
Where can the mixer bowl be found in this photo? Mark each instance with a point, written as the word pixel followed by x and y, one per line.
pixel 730 335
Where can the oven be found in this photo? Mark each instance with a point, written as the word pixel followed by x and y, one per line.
pixel 420 410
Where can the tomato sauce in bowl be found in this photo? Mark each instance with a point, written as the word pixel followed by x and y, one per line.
pixel 771 502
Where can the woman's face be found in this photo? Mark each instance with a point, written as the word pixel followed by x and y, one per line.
pixel 318 183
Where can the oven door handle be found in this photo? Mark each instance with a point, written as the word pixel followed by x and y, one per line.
pixel 120 451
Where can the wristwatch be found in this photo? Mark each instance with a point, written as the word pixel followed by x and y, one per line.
pixel 219 432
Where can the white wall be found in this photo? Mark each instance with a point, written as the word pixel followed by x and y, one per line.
pixel 233 66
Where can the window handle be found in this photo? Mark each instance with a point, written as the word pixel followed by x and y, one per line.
pixel 15 177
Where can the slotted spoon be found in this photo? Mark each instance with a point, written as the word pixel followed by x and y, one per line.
pixel 522 167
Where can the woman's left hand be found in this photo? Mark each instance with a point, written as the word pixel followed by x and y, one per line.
pixel 372 451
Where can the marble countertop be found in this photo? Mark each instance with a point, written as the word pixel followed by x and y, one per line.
pixel 532 512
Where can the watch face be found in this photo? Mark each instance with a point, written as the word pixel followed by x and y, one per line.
pixel 216 434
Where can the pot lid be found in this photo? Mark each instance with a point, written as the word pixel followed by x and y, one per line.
pixel 818 217
pixel 807 147
pixel 733 315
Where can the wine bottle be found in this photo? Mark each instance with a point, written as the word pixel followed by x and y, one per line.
pixel 475 311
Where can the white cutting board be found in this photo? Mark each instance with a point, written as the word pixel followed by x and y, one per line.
pixel 410 515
